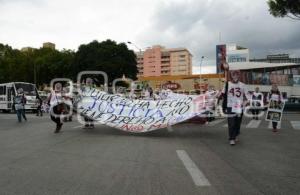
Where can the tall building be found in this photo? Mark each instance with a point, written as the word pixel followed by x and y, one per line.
pixel 49 45
pixel 230 53
pixel 160 61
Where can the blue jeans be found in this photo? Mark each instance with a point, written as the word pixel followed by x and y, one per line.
pixel 20 114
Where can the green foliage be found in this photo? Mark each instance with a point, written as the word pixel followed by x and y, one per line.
pixel 285 8
pixel 108 56
pixel 45 64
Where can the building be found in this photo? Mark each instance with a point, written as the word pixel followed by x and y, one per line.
pixel 230 53
pixel 49 45
pixel 184 83
pixel 263 75
pixel 27 49
pixel 160 61
pixel 277 58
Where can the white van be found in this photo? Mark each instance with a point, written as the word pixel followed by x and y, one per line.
pixel 9 90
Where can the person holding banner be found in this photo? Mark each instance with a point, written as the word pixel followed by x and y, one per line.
pixel 55 100
pixel 256 102
pixel 275 98
pixel 235 92
pixel 89 123
pixel 210 96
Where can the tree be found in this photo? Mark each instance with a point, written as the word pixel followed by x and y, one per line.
pixel 285 8
pixel 108 56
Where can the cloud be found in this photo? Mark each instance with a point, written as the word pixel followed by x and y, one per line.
pixel 197 25
pixel 194 24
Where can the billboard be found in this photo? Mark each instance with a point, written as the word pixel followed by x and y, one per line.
pixel 296 80
pixel 220 57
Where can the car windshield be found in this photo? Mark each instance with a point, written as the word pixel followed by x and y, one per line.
pixel 29 89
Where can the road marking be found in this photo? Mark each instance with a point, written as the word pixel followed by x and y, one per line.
pixel 215 122
pixel 197 176
pixel 270 126
pixel 296 124
pixel 253 124
pixel 226 125
pixel 77 127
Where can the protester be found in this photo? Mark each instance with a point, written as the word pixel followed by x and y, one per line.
pixel 67 108
pixel 39 103
pixel 146 94
pixel 210 98
pixel 89 84
pixel 235 92
pixel 276 96
pixel 256 101
pixel 19 103
pixel 56 102
pixel 164 93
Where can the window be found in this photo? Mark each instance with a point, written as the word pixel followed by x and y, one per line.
pixel 2 90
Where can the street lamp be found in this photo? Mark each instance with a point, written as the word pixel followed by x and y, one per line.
pixel 140 55
pixel 202 57
pixel 129 42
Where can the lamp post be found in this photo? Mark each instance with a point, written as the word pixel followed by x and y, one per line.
pixel 139 55
pixel 131 43
pixel 202 57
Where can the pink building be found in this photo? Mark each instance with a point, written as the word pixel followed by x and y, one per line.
pixel 159 61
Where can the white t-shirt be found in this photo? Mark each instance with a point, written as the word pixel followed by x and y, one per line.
pixel 276 97
pixel 210 97
pixel 235 96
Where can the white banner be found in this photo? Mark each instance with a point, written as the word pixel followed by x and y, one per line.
pixel 138 115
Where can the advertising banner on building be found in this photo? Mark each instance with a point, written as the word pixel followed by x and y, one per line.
pixel 275 111
pixel 220 57
pixel 296 80
pixel 138 115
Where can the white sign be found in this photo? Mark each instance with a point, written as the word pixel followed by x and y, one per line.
pixel 138 115
pixel 275 111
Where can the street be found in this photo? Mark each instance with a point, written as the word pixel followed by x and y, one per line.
pixel 188 158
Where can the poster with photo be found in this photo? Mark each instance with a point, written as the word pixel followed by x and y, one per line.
pixel 275 111
pixel 296 80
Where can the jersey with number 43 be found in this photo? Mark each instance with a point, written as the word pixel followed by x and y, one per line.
pixel 235 96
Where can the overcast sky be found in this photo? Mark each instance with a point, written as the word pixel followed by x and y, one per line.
pixel 194 24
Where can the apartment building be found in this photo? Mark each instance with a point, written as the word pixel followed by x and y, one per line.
pixel 160 61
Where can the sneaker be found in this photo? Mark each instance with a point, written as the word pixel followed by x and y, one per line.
pixel 232 142
pixel 275 130
pixel 92 126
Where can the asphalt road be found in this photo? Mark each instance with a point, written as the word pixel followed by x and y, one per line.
pixel 186 159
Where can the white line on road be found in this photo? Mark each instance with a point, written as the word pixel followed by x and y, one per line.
pixel 253 124
pixel 296 124
pixel 215 122
pixel 77 127
pixel 197 176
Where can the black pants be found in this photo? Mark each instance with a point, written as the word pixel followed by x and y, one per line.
pixel 234 124
pixel 88 121
pixel 255 112
pixel 57 110
pixel 274 125
pixel 39 111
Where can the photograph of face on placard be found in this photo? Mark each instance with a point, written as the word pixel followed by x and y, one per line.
pixel 276 105
pixel 274 116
